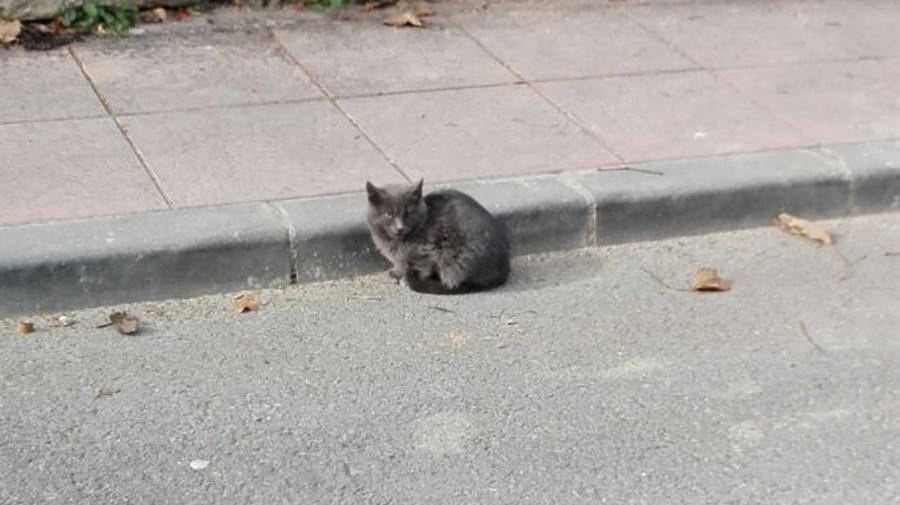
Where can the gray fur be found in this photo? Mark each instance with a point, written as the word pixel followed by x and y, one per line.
pixel 444 243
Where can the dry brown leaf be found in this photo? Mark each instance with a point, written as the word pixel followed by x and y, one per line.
pixel 800 226
pixel 124 322
pixel 245 302
pixel 160 14
pixel 182 13
pixel 407 18
pixel 707 279
pixel 9 30
pixel 24 327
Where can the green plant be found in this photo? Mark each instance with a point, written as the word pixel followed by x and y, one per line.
pixel 102 15
pixel 319 4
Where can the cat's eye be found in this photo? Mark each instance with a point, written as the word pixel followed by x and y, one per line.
pixel 387 215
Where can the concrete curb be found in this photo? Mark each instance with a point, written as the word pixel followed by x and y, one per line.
pixel 76 264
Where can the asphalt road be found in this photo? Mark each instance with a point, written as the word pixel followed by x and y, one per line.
pixel 585 380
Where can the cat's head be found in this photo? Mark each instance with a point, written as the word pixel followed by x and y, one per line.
pixel 398 210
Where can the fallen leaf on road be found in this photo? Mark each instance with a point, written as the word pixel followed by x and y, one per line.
pixel 798 226
pixel 124 322
pixel 24 327
pixel 407 18
pixel 244 302
pixel 9 30
pixel 182 14
pixel 707 279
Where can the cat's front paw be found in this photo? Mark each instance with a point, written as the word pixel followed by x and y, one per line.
pixel 396 275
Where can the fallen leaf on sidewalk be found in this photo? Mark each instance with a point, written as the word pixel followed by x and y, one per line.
pixel 25 327
pixel 707 279
pixel 160 14
pixel 407 18
pixel 799 226
pixel 245 302
pixel 157 15
pixel 124 322
pixel 9 30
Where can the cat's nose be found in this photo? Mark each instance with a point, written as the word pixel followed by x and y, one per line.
pixel 399 226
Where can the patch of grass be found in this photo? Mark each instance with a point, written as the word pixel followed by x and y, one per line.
pixel 102 16
pixel 321 4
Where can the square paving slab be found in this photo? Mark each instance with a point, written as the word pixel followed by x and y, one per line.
pixel 475 133
pixel 257 153
pixel 177 72
pixel 70 169
pixel 360 58
pixel 830 102
pixel 736 34
pixel 44 85
pixel 671 115
pixel 564 43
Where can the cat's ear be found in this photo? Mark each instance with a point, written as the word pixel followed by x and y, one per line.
pixel 374 193
pixel 416 190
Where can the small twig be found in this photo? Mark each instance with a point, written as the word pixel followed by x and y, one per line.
pixel 662 282
pixel 892 253
pixel 441 309
pixel 645 171
pixel 364 297
pixel 810 340
pixel 104 325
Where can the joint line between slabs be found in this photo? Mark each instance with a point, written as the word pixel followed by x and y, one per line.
pixel 337 106
pixel 521 80
pixel 112 115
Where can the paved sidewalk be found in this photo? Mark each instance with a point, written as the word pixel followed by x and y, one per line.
pixel 178 118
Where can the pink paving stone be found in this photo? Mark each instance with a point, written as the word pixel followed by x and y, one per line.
pixel 475 133
pixel 174 73
pixel 41 86
pixel 671 115
pixel 565 43
pixel 829 102
pixel 70 169
pixel 360 58
pixel 257 153
pixel 735 34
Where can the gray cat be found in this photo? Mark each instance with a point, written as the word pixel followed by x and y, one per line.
pixel 444 243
